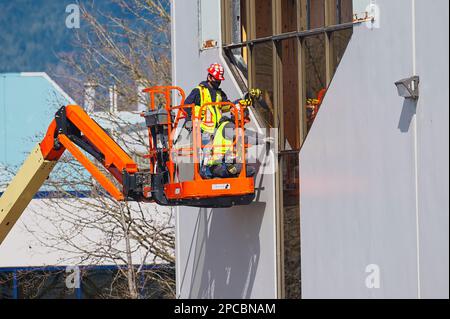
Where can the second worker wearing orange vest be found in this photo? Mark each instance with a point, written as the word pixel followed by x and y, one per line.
pixel 206 92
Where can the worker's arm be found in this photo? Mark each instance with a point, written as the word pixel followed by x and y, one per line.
pixel 193 98
pixel 224 97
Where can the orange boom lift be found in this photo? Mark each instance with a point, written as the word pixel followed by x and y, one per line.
pixel 73 130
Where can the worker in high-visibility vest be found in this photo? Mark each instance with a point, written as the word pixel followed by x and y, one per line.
pixel 206 92
pixel 226 159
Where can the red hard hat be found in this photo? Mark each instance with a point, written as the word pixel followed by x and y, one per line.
pixel 216 70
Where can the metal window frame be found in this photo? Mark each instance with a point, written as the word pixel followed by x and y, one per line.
pixel 293 34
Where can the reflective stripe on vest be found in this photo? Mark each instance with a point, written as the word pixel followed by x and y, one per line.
pixel 212 113
pixel 221 145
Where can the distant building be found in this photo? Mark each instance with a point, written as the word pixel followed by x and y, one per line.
pixel 28 103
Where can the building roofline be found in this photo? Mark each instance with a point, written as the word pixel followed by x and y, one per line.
pixel 52 82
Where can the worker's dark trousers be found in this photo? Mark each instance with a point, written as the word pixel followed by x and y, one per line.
pixel 221 170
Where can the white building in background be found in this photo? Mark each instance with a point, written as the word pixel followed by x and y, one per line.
pixel 366 214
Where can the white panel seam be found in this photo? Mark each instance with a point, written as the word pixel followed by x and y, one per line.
pixel 173 44
pixel 199 26
pixel 416 169
pixel 276 265
pixel 177 215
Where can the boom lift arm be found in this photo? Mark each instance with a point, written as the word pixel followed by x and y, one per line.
pixel 71 129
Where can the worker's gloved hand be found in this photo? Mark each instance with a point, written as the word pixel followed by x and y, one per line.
pixel 245 102
pixel 255 93
pixel 232 169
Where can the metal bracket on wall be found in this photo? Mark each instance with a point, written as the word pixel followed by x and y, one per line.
pixel 409 87
pixel 209 44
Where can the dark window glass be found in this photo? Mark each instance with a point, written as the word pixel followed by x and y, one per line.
pixel 263 17
pixel 316 13
pixel 289 15
pixel 345 11
pixel 340 41
pixel 263 57
pixel 315 69
pixel 291 103
pixel 291 222
pixel 315 65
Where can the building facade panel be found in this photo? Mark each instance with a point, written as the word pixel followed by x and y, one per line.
pixel 221 253
pixel 432 52
pixel 357 171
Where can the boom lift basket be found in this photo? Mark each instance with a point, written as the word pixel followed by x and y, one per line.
pixel 167 188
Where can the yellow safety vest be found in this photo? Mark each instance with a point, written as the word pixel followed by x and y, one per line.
pixel 220 146
pixel 211 114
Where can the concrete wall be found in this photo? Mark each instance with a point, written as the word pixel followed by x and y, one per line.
pixel 220 253
pixel 374 167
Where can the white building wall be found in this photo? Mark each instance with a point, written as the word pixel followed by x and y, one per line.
pixel 374 174
pixel 220 253
pixel 432 54
pixel 47 234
